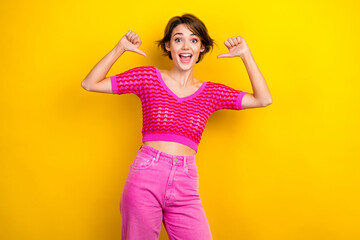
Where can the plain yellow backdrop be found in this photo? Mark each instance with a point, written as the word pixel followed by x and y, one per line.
pixel 289 171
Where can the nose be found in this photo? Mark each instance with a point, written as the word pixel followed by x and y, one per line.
pixel 185 45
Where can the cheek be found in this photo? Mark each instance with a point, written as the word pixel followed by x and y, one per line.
pixel 196 49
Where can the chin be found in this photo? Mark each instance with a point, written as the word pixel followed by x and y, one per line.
pixel 185 66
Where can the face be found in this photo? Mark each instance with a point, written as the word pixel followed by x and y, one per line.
pixel 185 47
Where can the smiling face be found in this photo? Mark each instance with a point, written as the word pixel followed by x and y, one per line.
pixel 184 46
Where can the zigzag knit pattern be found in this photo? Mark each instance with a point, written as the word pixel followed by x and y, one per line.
pixel 167 117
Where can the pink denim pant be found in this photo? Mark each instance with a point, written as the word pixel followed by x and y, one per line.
pixel 161 187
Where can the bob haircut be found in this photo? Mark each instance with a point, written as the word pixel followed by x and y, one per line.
pixel 195 25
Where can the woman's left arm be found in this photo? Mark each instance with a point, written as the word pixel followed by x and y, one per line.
pixel 261 96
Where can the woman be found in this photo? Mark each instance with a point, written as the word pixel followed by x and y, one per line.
pixel 163 181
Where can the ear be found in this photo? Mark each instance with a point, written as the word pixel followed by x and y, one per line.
pixel 202 48
pixel 167 46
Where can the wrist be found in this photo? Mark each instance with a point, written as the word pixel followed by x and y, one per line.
pixel 119 49
pixel 246 55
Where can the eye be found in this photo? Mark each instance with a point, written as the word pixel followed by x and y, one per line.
pixel 177 39
pixel 194 40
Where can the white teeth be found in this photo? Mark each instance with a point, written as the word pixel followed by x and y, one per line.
pixel 185 55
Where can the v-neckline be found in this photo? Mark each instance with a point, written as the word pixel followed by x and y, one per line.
pixel 193 95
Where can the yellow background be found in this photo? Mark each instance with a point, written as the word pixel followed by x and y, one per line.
pixel 289 171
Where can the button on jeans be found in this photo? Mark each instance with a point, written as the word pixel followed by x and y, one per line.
pixel 161 187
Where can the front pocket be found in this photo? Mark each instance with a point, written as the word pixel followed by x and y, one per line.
pixel 142 161
pixel 192 171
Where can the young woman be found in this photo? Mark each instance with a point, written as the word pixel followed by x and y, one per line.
pixel 163 181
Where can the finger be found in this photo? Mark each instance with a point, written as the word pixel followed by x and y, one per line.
pixel 128 34
pixel 227 44
pixel 239 39
pixel 231 42
pixel 139 51
pixel 137 40
pixel 132 37
pixel 133 40
pixel 224 55
pixel 132 34
pixel 235 41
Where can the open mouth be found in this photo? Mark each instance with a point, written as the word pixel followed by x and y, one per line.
pixel 185 58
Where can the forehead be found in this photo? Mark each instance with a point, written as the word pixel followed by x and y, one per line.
pixel 182 29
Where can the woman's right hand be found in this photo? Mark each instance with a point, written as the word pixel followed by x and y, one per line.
pixel 130 42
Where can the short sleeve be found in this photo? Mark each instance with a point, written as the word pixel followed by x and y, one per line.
pixel 228 98
pixel 131 81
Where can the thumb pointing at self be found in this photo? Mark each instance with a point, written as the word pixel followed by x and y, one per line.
pixel 224 55
pixel 138 51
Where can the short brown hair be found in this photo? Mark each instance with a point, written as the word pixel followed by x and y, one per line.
pixel 195 25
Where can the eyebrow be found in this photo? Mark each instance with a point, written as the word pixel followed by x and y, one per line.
pixel 183 34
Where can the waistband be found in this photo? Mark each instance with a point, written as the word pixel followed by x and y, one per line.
pixel 166 156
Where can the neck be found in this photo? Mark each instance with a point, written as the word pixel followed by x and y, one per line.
pixel 183 77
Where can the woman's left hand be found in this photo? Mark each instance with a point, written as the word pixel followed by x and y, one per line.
pixel 237 47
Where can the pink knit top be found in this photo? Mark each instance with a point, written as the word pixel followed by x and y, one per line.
pixel 167 117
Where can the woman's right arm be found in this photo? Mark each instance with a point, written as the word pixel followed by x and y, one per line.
pixel 96 80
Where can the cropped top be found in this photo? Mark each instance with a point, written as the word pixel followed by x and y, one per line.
pixel 167 117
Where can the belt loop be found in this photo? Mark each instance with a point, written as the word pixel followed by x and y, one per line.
pixel 185 162
pixel 157 156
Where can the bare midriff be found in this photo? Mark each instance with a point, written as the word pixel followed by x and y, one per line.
pixel 173 148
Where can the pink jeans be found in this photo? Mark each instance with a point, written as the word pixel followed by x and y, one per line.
pixel 161 187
